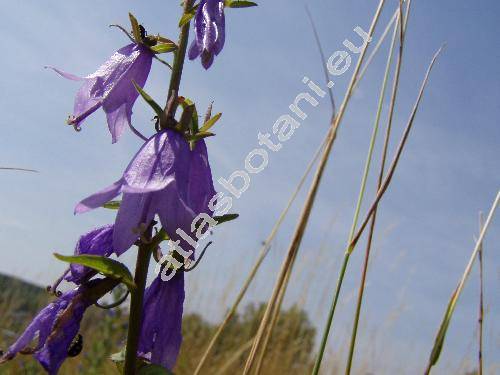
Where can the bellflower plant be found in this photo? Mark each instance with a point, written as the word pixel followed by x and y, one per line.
pixel 169 178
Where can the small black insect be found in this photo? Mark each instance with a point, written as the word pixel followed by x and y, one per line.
pixel 143 32
pixel 76 346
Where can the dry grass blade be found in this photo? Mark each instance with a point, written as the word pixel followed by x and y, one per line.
pixel 481 300
pixel 272 324
pixel 376 48
pixel 322 56
pixel 234 357
pixel 381 171
pixel 304 217
pixel 18 169
pixel 443 328
pixel 395 161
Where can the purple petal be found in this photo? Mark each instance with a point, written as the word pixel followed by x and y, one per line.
pixel 65 75
pixel 56 325
pixel 98 199
pixel 220 21
pixel 41 324
pixel 111 87
pixel 153 167
pixel 65 328
pixel 173 212
pixel 135 209
pixel 194 50
pixel 161 334
pixel 98 241
pixel 207 59
pixel 210 33
pixel 201 187
pixel 118 120
pixel 122 95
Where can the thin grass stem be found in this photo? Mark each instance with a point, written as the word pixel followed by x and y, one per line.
pixel 306 211
pixel 381 172
pixel 363 182
pixel 481 300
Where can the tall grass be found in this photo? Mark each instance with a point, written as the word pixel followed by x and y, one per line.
pixel 306 211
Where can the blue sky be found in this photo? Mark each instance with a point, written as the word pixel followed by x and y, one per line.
pixel 448 173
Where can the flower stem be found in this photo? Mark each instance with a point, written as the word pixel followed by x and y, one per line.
pixel 178 64
pixel 136 302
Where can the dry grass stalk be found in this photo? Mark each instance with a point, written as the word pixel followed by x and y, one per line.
pixel 304 217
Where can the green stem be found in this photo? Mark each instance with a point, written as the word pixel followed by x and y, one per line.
pixel 136 303
pixel 145 249
pixel 178 64
pixel 380 180
pixel 329 320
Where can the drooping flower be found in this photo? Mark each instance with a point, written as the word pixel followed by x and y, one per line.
pixel 210 34
pixel 161 334
pixel 111 88
pixel 55 327
pixel 166 178
pixel 98 241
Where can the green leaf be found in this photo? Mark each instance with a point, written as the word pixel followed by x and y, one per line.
pixel 152 369
pixel 156 107
pixel 163 48
pixel 225 218
pixel 186 17
pixel 443 328
pixel 240 4
pixel 105 266
pixel 136 31
pixel 207 125
pixel 161 39
pixel 112 205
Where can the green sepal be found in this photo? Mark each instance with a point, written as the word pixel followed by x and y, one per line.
pixel 185 103
pixel 186 120
pixel 199 135
pixel 225 218
pixel 207 125
pixel 112 205
pixel 240 4
pixel 163 47
pixel 105 266
pixel 156 107
pixel 136 31
pixel 186 17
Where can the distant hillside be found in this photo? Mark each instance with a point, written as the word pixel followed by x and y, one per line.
pixel 22 294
